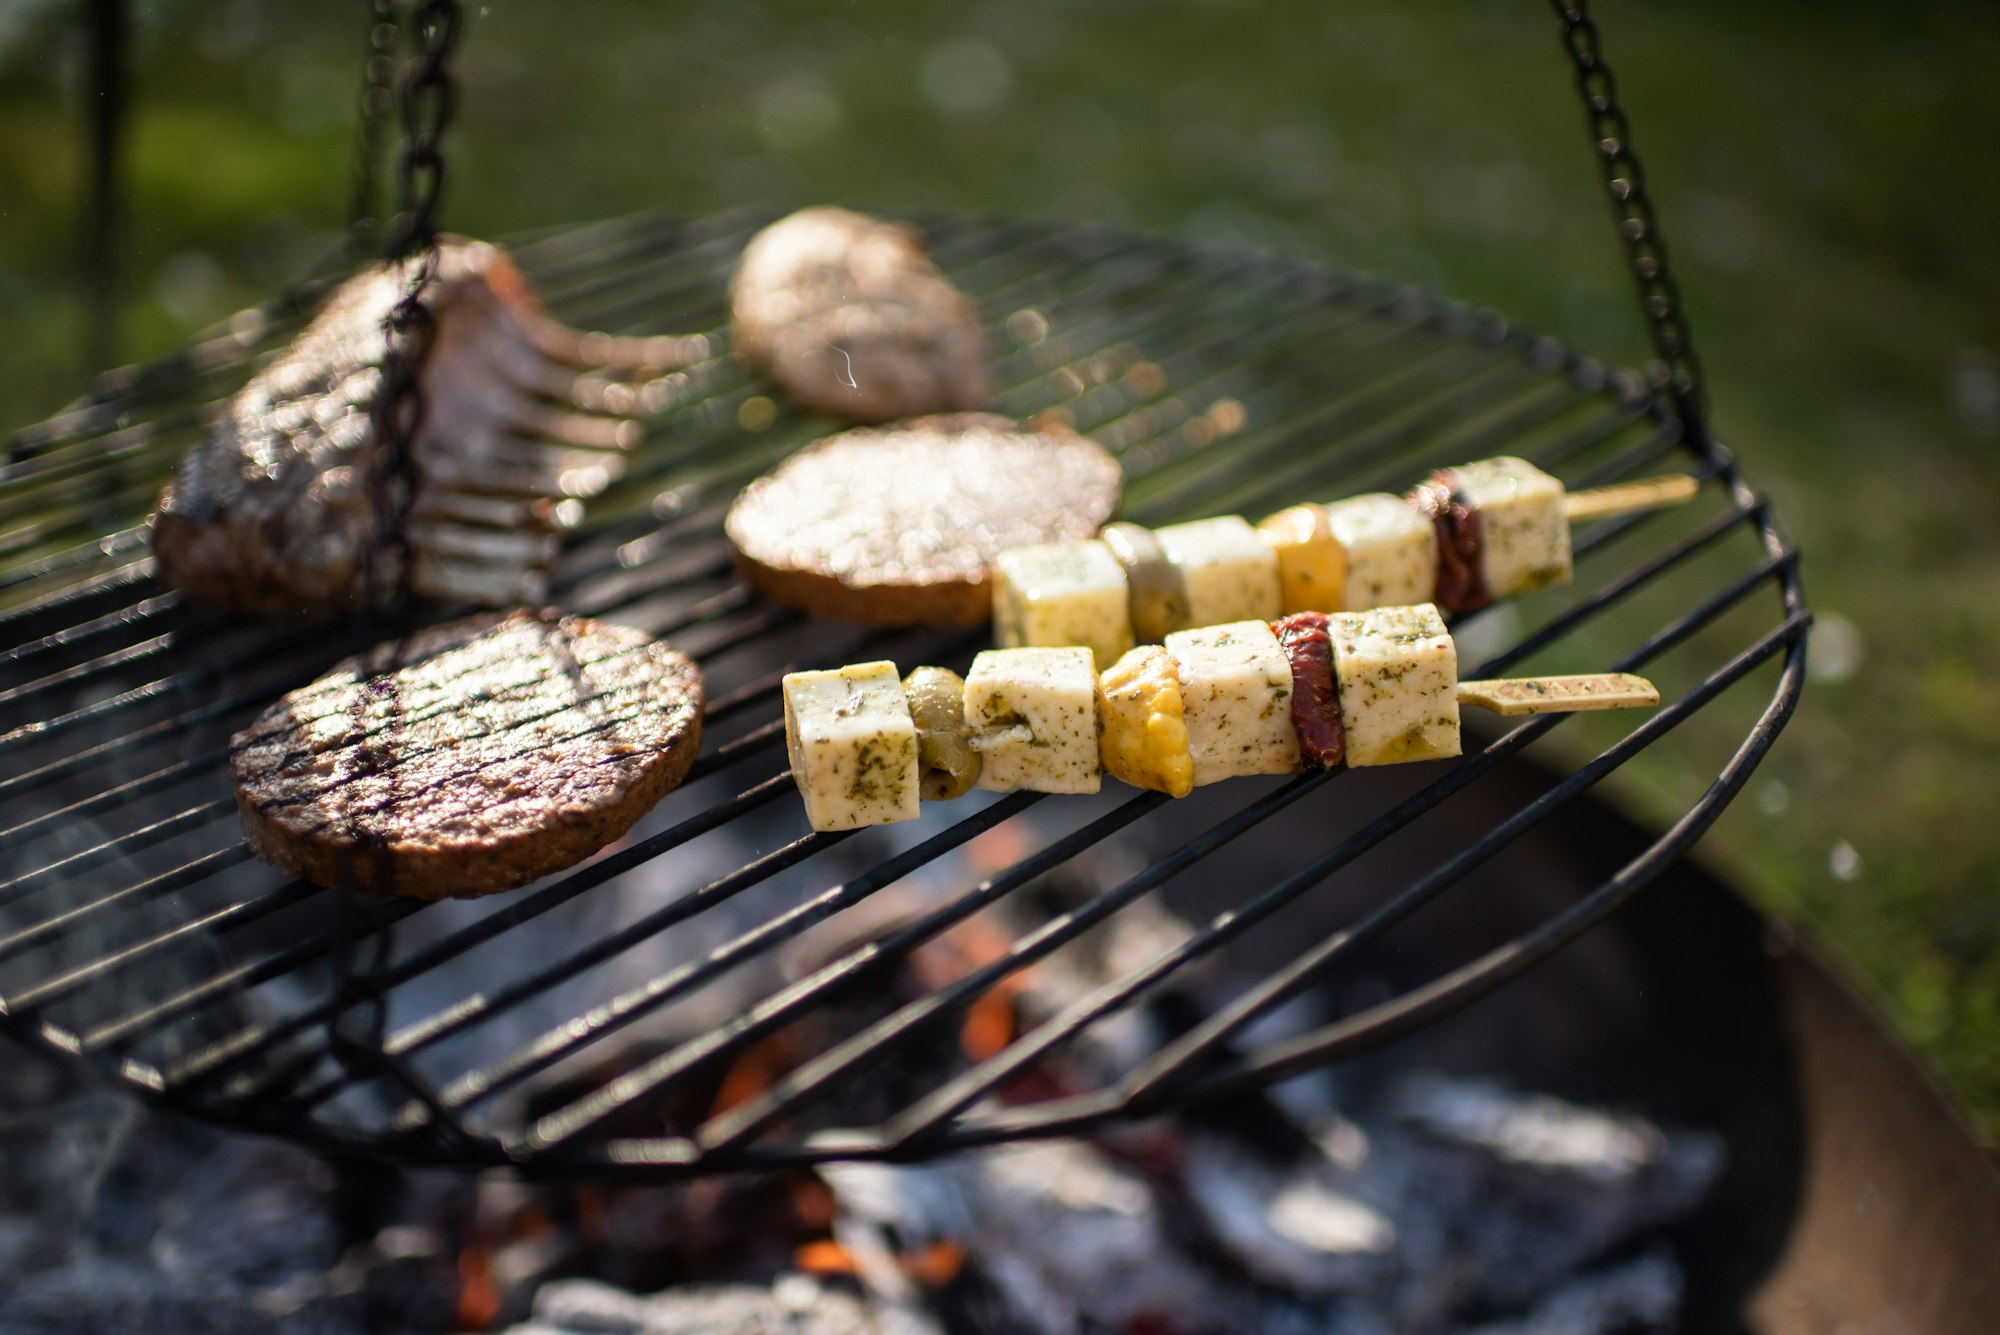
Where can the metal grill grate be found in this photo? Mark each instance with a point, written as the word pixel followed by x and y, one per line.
pixel 604 1020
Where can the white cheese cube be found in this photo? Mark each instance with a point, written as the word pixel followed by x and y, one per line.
pixel 1523 531
pixel 1236 697
pixel 1032 716
pixel 1227 567
pixel 1062 593
pixel 1391 551
pixel 853 745
pixel 1397 674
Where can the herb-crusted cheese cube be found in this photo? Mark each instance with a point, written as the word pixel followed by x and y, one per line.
pixel 1236 698
pixel 1523 531
pixel 1032 716
pixel 1397 674
pixel 1063 593
pixel 1391 551
pixel 853 746
pixel 1227 568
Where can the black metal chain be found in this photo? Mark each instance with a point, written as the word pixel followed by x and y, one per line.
pixel 1679 370
pixel 426 97
pixel 377 100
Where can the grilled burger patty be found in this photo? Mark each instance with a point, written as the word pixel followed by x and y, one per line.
pixel 898 525
pixel 848 315
pixel 469 758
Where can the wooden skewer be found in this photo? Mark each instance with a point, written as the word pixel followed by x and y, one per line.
pixel 1625 498
pixel 1560 695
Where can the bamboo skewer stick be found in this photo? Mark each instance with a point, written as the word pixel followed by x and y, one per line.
pixel 1560 695
pixel 1624 498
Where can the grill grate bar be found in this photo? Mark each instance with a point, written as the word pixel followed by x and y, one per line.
pixel 732 480
pixel 871 1044
pixel 781 1008
pixel 124 540
pixel 554 1045
pixel 773 684
pixel 65 921
pixel 249 910
pixel 1381 1023
pixel 1223 381
pixel 185 681
pixel 1209 1039
pixel 925 1118
pixel 230 1052
pixel 111 850
pixel 1388 1020
pixel 56 820
pixel 234 914
pixel 143 610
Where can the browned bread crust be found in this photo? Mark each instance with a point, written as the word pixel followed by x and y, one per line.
pixel 850 318
pixel 898 525
pixel 469 758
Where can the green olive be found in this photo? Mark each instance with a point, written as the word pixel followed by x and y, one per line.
pixel 946 765
pixel 1158 594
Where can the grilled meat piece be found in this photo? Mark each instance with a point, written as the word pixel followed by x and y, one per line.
pixel 899 525
pixel 274 512
pixel 469 758
pixel 850 318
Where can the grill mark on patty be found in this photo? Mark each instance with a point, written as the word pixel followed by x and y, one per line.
pixel 291 759
pixel 361 774
pixel 433 785
pixel 332 684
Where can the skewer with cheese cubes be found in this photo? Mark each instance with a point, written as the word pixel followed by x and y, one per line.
pixel 1491 529
pixel 1373 687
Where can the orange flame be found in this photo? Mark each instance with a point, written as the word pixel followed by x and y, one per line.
pixel 478 1295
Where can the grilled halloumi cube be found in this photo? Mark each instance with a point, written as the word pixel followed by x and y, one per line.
pixel 1397 675
pixel 1236 696
pixel 1227 568
pixel 1312 565
pixel 1391 552
pixel 1063 593
pixel 1032 716
pixel 1145 738
pixel 853 745
pixel 1523 530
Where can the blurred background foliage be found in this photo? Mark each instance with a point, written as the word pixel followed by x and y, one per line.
pixel 1824 170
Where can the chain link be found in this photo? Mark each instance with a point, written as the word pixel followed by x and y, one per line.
pixel 427 98
pixel 377 100
pixel 1678 370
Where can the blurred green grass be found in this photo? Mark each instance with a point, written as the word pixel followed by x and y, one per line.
pixel 1824 172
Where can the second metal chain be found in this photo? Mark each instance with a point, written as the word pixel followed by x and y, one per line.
pixel 377 100
pixel 1625 181
pixel 427 98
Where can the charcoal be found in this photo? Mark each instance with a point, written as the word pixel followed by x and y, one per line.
pixel 791 1307
pixel 1063 1234
pixel 1640 1297
pixel 1558 1185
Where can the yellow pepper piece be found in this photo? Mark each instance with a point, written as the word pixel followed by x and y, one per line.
pixel 1312 565
pixel 1143 736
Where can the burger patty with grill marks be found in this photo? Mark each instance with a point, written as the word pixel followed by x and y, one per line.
pixel 469 758
pixel 899 525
